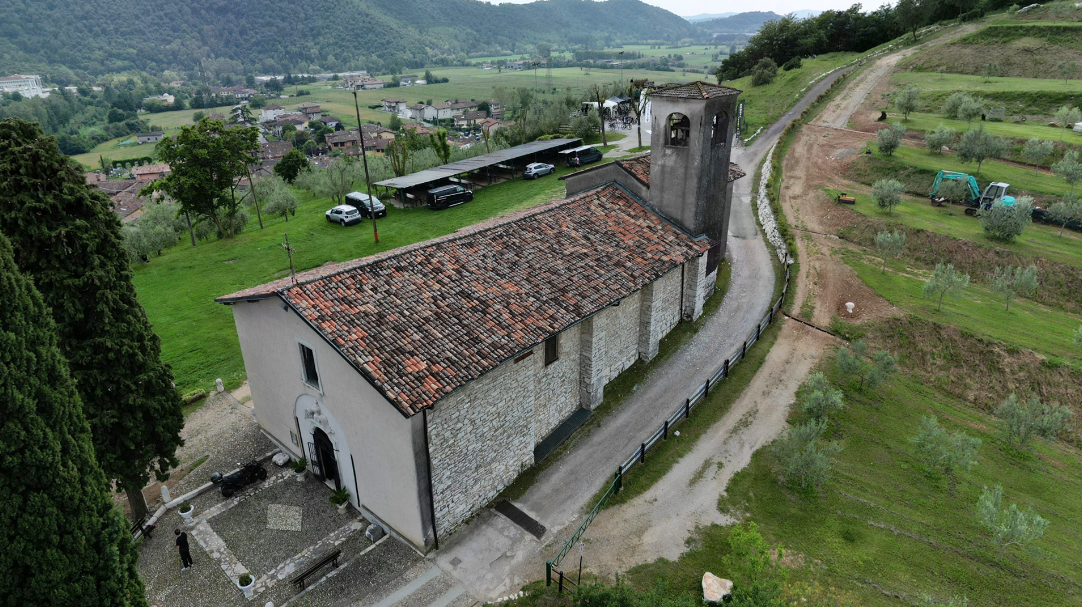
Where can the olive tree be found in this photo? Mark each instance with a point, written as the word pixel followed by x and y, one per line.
pixel 157 228
pixel 1065 211
pixel 805 463
pixel 820 399
pixel 1067 116
pixel 887 194
pixel 1069 169
pixel 853 363
pixel 1021 421
pixel 970 109
pixel 276 196
pixel 939 137
pixel 1006 222
pixel 943 453
pixel 890 245
pixel 1011 526
pixel 978 145
pixel 943 281
pixel 888 139
pixel 1012 282
pixel 1035 151
pixel 906 100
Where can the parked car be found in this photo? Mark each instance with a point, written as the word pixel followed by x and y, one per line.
pixel 448 196
pixel 537 169
pixel 360 200
pixel 344 215
pixel 252 472
pixel 579 156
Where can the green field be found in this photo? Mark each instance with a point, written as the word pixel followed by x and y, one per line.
pixel 168 122
pixel 178 289
pixel 887 535
pixel 1038 239
pixel 1038 328
pixel 1021 178
pixel 1022 131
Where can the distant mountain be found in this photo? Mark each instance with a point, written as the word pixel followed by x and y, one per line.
pixel 65 40
pixel 708 16
pixel 741 23
pixel 805 14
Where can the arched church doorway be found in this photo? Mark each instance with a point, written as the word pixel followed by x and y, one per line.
pixel 326 458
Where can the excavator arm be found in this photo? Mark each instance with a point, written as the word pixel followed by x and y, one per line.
pixel 974 191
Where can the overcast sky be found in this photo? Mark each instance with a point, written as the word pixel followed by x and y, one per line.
pixel 695 7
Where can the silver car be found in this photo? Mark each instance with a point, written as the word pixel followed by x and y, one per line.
pixel 537 169
pixel 344 215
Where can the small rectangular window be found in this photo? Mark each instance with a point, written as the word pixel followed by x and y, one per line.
pixel 308 363
pixel 552 349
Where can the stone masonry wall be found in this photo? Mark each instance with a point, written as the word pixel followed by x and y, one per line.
pixel 480 439
pixel 618 330
pixel 669 315
pixel 557 386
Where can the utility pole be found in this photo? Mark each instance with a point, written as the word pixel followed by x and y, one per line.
pixel 364 157
pixel 289 251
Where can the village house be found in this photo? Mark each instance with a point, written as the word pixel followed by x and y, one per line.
pixel 424 379
pixel 331 122
pixel 151 137
pixel 378 132
pixel 239 93
pixel 270 113
pixel 394 105
pixel 416 112
pixel 490 125
pixel 298 121
pixel 274 150
pixel 150 172
pixel 469 119
pixel 123 193
pixel 365 83
pixel 311 110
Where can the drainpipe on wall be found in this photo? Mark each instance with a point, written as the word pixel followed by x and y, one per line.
pixel 431 489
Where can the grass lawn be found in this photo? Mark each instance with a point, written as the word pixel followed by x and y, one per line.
pixel 1044 330
pixel 1038 239
pixel 921 121
pixel 1021 178
pixel 887 534
pixel 948 83
pixel 178 289
pixel 765 104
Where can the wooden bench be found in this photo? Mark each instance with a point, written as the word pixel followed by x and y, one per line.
pixel 330 557
pixel 143 526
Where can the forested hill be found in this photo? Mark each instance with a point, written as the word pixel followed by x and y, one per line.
pixel 108 36
pixel 743 23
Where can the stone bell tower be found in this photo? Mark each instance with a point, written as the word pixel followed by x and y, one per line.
pixel 689 157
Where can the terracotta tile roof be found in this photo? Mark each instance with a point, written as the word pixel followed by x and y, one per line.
pixel 151 169
pixel 423 320
pixel 695 90
pixel 638 167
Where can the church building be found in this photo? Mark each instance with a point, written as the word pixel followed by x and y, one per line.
pixel 425 379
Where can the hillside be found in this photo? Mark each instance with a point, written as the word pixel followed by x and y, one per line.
pixel 743 23
pixel 66 39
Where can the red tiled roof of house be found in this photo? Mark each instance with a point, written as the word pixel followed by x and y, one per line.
pixel 149 169
pixel 423 320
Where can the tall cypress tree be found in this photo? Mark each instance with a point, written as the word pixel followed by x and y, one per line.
pixel 66 238
pixel 61 540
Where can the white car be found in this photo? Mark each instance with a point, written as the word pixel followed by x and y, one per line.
pixel 360 199
pixel 344 215
pixel 537 169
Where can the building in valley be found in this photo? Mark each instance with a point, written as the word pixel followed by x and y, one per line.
pixel 27 86
pixel 425 379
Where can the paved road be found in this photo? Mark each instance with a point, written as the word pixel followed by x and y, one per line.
pixel 491 556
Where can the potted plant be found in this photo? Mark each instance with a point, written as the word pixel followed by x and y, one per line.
pixel 186 510
pixel 340 498
pixel 300 469
pixel 245 583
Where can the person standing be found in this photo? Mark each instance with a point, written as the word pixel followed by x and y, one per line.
pixel 182 546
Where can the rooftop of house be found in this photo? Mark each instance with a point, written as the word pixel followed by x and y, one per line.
pixel 273 107
pixel 275 149
pixel 150 134
pixel 423 320
pixel 639 168
pixel 393 100
pixel 342 136
pixel 695 90
pixel 150 169
pixel 307 105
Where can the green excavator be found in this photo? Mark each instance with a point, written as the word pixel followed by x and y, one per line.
pixel 995 192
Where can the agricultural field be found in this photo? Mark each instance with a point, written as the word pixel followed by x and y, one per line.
pixel 118 149
pixel 178 288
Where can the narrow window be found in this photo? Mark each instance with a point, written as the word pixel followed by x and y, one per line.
pixel 552 349
pixel 308 363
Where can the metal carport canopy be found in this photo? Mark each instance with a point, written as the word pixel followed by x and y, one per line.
pixel 473 164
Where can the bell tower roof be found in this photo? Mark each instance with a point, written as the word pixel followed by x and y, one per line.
pixel 695 90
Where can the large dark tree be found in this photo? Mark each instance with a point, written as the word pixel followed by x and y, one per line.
pixel 61 540
pixel 67 239
pixel 291 165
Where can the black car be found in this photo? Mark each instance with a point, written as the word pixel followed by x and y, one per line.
pixel 252 472
pixel 448 196
pixel 582 155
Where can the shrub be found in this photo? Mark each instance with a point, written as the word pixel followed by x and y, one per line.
pixel 806 465
pixel 244 579
pixel 792 64
pixel 764 72
pixel 185 507
pixel 340 497
pixel 300 465
pixel 954 102
pixel 1021 421
pixel 887 194
pixel 1005 222
pixel 193 396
